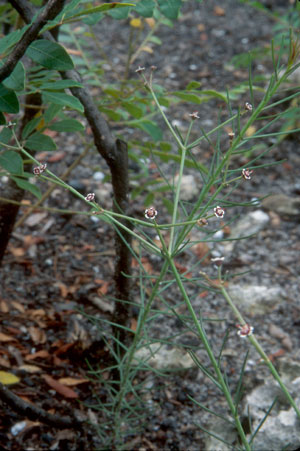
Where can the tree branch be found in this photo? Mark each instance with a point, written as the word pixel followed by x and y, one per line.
pixel 115 154
pixel 36 413
pixel 50 11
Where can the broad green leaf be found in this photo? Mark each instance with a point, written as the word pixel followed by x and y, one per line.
pixel 58 85
pixel 155 40
pixel 40 142
pixel 5 135
pixel 8 100
pixel 93 19
pixel 111 114
pixel 50 55
pixel 8 378
pixel 188 97
pixel 101 8
pixel 165 146
pixel 121 13
pixel 2 119
pixel 193 85
pixel 11 39
pixel 51 112
pixel 27 186
pixel 30 126
pixel 16 80
pixel 12 162
pixel 170 8
pixel 60 98
pixel 67 125
pixel 145 8
pixel 151 128
pixel 132 109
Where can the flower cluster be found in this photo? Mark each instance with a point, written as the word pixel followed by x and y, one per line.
pixel 150 213
pixel 245 331
pixel 218 261
pixel 246 173
pixel 219 212
pixel 90 197
pixel 37 170
pixel 139 70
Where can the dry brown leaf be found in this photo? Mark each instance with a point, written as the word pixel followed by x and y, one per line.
pixel 4 306
pixel 60 388
pixel 37 335
pixel 4 362
pixel 101 291
pixel 42 354
pixel 6 338
pixel 71 381
pixel 17 251
pixel 218 11
pixel 19 307
pixel 57 156
pixel 32 369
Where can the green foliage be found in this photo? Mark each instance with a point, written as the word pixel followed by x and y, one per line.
pixel 127 105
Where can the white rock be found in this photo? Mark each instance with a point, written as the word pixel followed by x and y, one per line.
pixel 189 187
pixel 164 357
pixel 256 299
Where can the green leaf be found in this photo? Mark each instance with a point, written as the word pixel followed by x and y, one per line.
pixel 193 85
pixel 155 40
pixel 27 186
pixel 12 162
pixel 51 112
pixel 2 119
pixel 170 8
pixel 121 13
pixel 67 125
pixel 132 109
pixel 30 126
pixel 50 55
pixel 58 85
pixel 11 39
pixel 60 98
pixel 188 97
pixel 113 115
pixel 8 100
pixel 40 142
pixel 151 128
pixel 16 80
pixel 145 8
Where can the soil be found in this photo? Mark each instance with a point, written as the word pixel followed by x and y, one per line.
pixel 58 266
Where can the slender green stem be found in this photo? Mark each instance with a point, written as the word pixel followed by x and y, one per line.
pixel 130 356
pixel 210 354
pixel 260 351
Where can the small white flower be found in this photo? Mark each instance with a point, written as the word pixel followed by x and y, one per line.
pixel 248 106
pixel 245 331
pixel 150 213
pixel 246 173
pixel 194 115
pixel 219 212
pixel 90 197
